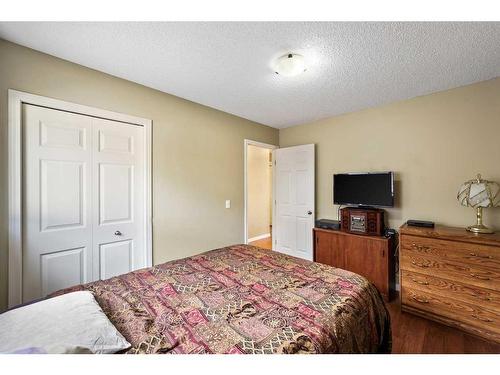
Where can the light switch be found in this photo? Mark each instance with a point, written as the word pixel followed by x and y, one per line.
pixel 228 203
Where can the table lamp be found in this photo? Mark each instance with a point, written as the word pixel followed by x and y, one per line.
pixel 479 193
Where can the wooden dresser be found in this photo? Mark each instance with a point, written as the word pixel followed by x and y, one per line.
pixel 368 256
pixel 452 276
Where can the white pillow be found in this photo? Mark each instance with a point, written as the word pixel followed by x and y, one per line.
pixel 70 323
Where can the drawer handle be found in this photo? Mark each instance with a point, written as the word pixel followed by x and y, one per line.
pixel 478 296
pixel 479 277
pixel 420 282
pixel 486 320
pixel 420 300
pixel 420 247
pixel 420 264
pixel 481 256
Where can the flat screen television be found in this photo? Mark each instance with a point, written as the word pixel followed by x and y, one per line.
pixel 364 189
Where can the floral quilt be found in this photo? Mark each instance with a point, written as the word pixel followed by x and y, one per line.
pixel 243 299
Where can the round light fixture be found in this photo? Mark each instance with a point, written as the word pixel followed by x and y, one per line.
pixel 290 65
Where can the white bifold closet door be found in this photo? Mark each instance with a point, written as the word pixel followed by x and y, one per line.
pixel 83 199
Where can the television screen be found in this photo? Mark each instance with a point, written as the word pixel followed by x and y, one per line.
pixel 364 189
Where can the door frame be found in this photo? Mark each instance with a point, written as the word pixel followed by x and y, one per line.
pixel 246 143
pixel 15 153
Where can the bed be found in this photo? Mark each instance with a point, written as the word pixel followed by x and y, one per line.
pixel 243 299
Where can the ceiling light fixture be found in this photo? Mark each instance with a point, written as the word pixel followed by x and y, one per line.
pixel 290 65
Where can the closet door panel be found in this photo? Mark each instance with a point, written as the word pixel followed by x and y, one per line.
pixel 116 258
pixel 119 219
pixel 66 267
pixel 116 193
pixel 56 203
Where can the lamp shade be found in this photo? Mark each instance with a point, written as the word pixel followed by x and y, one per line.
pixel 479 193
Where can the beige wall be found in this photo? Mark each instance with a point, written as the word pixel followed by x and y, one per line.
pixel 259 191
pixel 197 151
pixel 433 143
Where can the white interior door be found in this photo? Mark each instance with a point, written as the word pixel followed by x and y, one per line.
pixel 294 197
pixel 83 181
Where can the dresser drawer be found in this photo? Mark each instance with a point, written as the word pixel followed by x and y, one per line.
pixel 486 298
pixel 462 273
pixel 462 252
pixel 453 309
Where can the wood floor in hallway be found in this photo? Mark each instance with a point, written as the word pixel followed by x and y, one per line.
pixel 266 243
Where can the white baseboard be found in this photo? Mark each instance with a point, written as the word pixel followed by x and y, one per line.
pixel 261 237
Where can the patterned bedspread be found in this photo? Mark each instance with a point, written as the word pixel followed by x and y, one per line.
pixel 243 299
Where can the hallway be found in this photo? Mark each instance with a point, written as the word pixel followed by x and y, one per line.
pixel 265 243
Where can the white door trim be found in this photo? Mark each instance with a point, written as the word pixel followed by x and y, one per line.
pixel 246 143
pixel 16 100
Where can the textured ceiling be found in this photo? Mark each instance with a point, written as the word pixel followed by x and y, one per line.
pixel 227 65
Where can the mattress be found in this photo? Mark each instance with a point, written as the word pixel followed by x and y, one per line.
pixel 243 299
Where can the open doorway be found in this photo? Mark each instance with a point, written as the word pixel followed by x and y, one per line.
pixel 258 194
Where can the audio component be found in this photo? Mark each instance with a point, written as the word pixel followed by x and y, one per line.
pixel 328 224
pixel 367 221
pixel 420 223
